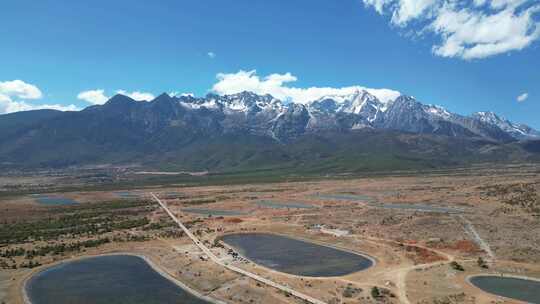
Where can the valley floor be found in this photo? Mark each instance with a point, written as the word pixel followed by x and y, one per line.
pixel 428 233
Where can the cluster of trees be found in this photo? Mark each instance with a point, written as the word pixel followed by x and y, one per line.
pixel 199 201
pixel 13 252
pixel 64 248
pixel 53 249
pixel 173 234
pixel 30 264
pixel 159 225
pixel 128 224
pixel 52 229
pixel 59 225
pixel 84 220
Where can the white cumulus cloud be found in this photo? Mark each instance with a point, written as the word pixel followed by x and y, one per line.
pixel 99 97
pixel 137 95
pixel 522 97
pixel 277 86
pixel 96 97
pixel 20 89
pixel 15 93
pixel 467 29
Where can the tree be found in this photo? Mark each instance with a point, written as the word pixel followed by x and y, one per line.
pixel 482 263
pixel 456 266
pixel 375 293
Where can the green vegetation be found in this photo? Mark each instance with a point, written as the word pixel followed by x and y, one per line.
pixel 159 225
pixel 30 264
pixel 73 229
pixel 199 201
pixel 251 159
pixel 350 291
pixel 375 293
pixel 78 221
pixel 55 249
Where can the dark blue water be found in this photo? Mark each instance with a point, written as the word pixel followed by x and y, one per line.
pixel 118 279
pixel 283 205
pixel 54 201
pixel 213 212
pixel 296 257
pixel 519 289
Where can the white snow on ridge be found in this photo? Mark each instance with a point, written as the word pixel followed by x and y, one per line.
pixel 516 130
pixel 209 104
pixel 438 111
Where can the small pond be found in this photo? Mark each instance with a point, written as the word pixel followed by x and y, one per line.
pixel 519 289
pixel 54 201
pixel 346 197
pixel 213 212
pixel 417 207
pixel 283 205
pixel 119 279
pixel 296 257
pixel 127 194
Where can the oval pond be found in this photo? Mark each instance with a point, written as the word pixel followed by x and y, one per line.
pixel 104 280
pixel 515 288
pixel 296 256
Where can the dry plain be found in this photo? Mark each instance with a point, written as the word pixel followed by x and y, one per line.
pixel 491 224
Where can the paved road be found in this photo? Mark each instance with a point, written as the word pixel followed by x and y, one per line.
pixel 216 260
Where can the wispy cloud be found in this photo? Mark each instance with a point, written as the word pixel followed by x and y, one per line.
pixel 277 86
pixel 522 97
pixel 467 29
pixel 212 55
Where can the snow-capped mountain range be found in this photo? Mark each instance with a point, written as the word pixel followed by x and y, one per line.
pixel 264 114
pixel 247 130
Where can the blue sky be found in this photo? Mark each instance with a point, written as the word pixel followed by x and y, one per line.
pixel 63 48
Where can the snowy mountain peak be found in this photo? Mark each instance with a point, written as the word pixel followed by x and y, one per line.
pixel 518 131
pixel 489 117
pixel 354 103
pixel 438 111
pixel 250 102
pixel 354 109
